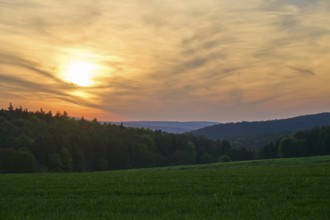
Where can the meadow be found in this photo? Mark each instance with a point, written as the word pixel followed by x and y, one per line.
pixel 263 189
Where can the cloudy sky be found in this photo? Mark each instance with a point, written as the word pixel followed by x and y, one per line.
pixel 217 60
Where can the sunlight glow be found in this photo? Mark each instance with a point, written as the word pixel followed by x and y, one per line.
pixel 80 72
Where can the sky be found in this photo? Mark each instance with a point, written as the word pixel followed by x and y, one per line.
pixel 187 60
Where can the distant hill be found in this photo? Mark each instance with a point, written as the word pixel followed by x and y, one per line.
pixel 167 126
pixel 261 132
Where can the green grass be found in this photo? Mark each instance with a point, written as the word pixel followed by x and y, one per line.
pixel 267 189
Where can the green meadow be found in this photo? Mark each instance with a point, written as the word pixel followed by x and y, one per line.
pixel 264 189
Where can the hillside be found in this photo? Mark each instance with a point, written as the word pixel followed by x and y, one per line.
pixel 263 131
pixel 267 189
pixel 167 126
pixel 41 142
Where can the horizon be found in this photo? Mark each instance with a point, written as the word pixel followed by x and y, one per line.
pixel 205 60
pixel 157 121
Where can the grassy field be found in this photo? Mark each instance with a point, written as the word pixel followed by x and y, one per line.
pixel 268 189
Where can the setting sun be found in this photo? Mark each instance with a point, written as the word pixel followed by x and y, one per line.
pixel 80 72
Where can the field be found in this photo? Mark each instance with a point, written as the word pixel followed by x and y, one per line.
pixel 267 189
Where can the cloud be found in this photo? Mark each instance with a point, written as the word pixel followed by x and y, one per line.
pixel 168 59
pixel 10 59
pixel 303 71
pixel 19 86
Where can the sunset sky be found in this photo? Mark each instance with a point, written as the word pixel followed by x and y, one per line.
pixel 215 60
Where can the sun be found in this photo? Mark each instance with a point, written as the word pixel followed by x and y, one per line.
pixel 80 72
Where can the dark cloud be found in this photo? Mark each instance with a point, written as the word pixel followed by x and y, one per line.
pixel 17 61
pixel 211 44
pixel 19 86
pixel 302 70
pixel 20 83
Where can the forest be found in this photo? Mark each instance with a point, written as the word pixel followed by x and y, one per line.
pixel 258 133
pixel 46 142
pixel 312 142
pixel 42 141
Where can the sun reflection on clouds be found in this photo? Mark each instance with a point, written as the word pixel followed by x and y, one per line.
pixel 83 69
pixel 80 72
pixel 86 73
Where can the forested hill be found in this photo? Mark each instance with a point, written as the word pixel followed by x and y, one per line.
pixel 42 141
pixel 257 128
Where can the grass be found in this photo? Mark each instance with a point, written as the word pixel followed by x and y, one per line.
pixel 267 189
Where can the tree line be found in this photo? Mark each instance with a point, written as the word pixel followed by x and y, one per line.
pixel 256 134
pixel 42 141
pixel 310 142
pixel 46 142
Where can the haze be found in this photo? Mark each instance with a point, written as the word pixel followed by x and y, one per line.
pixel 216 60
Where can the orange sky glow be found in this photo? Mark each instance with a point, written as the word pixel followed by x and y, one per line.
pixel 189 60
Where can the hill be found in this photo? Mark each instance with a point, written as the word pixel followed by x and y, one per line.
pixel 266 189
pixel 167 126
pixel 259 133
pixel 41 141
